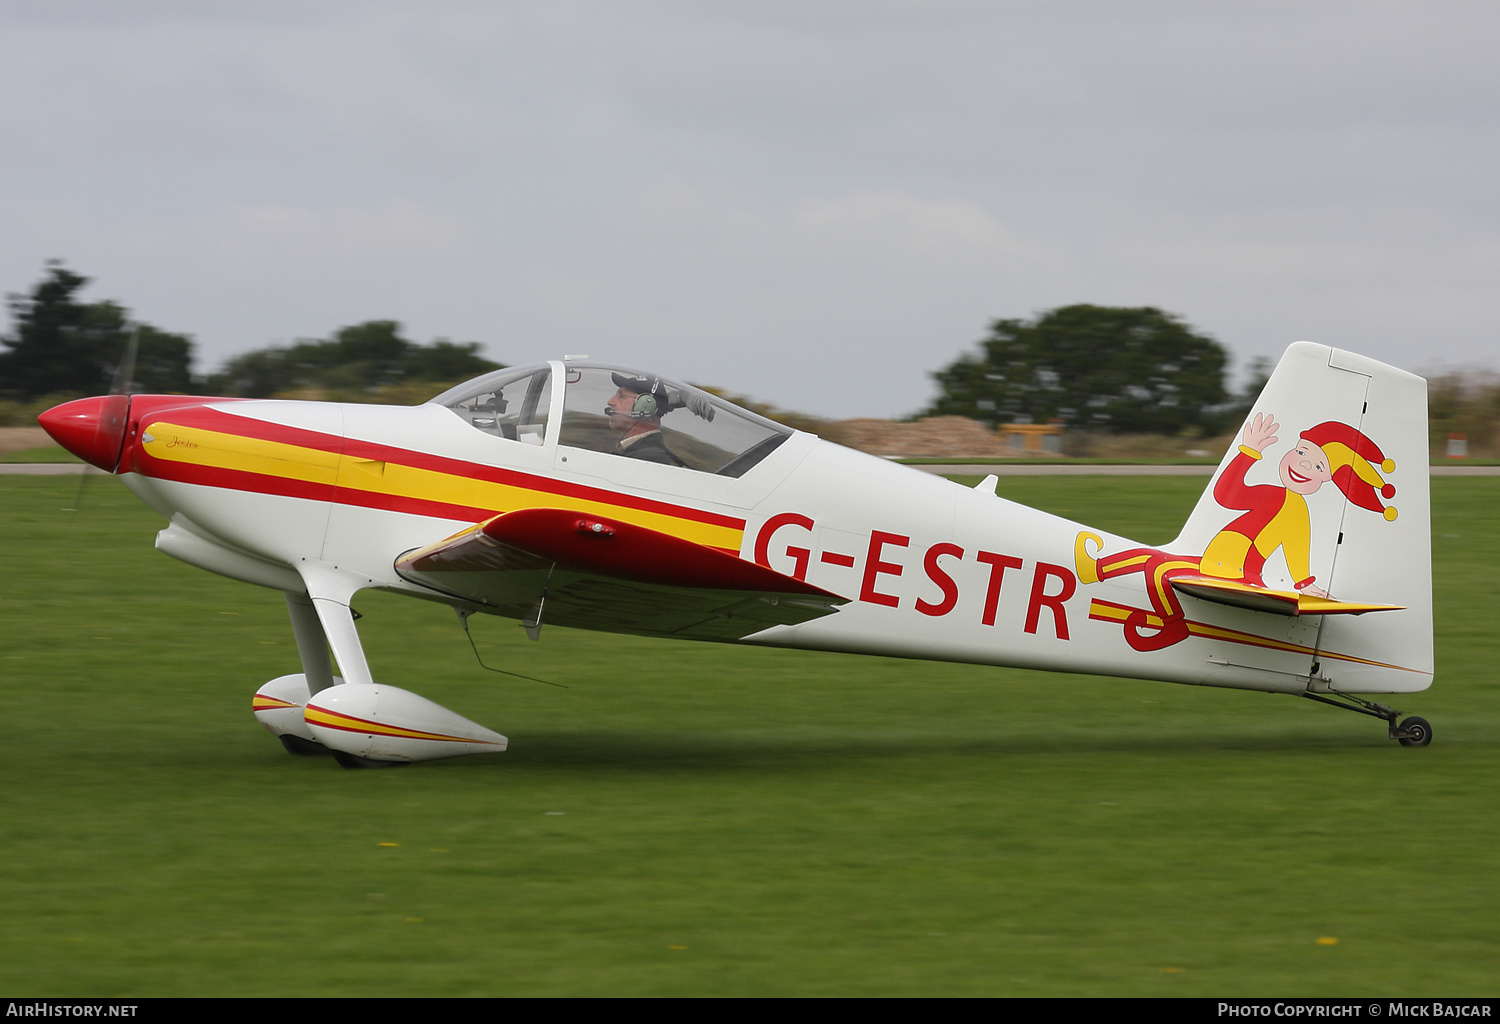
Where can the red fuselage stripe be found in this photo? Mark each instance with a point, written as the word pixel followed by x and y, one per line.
pixel 218 420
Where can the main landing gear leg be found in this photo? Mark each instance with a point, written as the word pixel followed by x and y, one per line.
pixel 312 642
pixel 1412 732
pixel 317 671
pixel 280 704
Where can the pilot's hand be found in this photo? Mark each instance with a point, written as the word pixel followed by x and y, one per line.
pixel 701 406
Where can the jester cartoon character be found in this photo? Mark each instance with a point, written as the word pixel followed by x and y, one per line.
pixel 1273 517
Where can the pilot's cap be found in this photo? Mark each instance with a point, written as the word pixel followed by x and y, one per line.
pixel 647 385
pixel 654 398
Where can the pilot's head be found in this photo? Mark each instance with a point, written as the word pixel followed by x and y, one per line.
pixel 637 401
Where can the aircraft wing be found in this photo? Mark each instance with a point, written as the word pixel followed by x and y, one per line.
pixel 1264 599
pixel 601 573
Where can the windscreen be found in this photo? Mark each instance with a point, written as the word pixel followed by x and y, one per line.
pixel 512 404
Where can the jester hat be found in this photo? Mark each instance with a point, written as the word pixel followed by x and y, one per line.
pixel 1353 457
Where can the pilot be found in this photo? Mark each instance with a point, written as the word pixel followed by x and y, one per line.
pixel 635 411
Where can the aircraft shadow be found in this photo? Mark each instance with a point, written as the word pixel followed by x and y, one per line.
pixel 677 752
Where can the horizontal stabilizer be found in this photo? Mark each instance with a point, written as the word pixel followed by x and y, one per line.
pixel 1263 599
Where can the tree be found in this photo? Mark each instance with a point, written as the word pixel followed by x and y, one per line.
pixel 1120 370
pixel 1239 406
pixel 358 360
pixel 61 344
pixel 446 361
pixel 1464 402
pixel 257 374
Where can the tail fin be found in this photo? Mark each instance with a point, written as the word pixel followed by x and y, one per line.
pixel 1366 538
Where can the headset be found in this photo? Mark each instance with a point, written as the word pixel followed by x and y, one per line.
pixel 649 404
pixel 645 406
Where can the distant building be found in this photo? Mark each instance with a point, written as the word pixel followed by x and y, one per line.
pixel 946 437
pixel 1032 438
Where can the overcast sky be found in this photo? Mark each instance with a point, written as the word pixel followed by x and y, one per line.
pixel 814 203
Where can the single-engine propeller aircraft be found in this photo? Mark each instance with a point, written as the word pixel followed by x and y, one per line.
pixel 580 494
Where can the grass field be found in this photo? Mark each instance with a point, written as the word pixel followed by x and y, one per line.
pixel 703 819
pixel 53 454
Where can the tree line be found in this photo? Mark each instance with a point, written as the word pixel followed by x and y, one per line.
pixel 59 344
pixel 1102 369
pixel 1092 368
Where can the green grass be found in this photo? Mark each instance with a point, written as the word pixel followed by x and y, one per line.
pixel 1185 460
pixel 49 454
pixel 704 819
pixel 1054 460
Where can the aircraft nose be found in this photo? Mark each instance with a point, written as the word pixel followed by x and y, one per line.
pixel 91 428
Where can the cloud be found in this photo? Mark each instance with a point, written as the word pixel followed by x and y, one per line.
pixel 246 276
pixel 271 242
pixel 929 226
pixel 817 203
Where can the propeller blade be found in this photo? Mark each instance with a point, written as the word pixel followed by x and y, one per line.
pixel 94 428
pixel 116 410
pixel 126 369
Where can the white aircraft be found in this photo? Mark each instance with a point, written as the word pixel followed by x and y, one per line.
pixel 580 494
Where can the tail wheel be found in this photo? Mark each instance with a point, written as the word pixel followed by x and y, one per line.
pixel 1415 732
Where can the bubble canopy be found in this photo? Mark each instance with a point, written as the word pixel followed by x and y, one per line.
pixel 617 410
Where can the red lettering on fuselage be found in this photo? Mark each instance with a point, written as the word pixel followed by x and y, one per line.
pixel 1043 593
pixel 937 575
pixel 768 530
pixel 875 567
pixel 998 564
pixel 1040 597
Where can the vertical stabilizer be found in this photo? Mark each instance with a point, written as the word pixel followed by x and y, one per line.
pixel 1325 493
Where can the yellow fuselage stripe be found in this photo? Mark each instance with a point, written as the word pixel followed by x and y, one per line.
pixel 219 450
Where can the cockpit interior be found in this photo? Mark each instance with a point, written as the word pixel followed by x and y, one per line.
pixel 619 411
